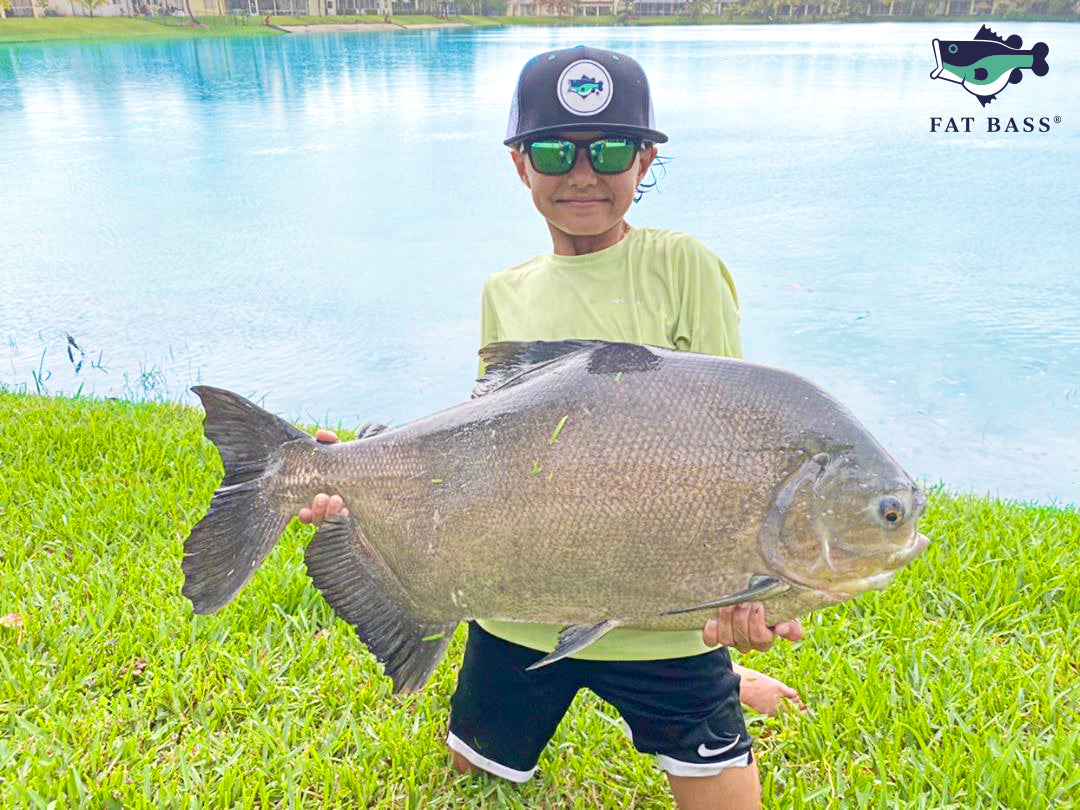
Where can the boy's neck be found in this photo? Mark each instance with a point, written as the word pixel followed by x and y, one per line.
pixel 565 244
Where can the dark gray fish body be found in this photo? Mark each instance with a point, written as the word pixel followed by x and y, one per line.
pixel 591 484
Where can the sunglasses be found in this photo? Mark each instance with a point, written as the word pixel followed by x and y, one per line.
pixel 607 155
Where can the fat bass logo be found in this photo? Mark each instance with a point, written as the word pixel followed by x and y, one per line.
pixel 584 87
pixel 985 65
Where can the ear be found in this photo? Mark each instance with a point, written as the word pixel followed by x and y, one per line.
pixel 519 164
pixel 645 159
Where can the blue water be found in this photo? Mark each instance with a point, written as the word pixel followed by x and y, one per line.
pixel 308 219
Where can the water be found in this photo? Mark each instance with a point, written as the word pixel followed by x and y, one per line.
pixel 308 220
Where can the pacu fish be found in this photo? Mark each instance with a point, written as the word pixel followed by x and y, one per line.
pixel 586 483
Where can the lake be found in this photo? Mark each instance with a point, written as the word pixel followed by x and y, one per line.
pixel 308 219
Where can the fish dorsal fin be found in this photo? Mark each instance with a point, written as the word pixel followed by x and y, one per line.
pixel 369 429
pixel 987 35
pixel 506 362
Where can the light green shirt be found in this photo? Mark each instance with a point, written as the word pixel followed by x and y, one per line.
pixel 661 288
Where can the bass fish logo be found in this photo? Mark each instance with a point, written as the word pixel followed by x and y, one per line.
pixel 584 87
pixel 986 64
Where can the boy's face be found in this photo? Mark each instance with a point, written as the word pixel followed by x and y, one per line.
pixel 582 202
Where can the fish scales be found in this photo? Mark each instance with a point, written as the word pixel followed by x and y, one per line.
pixel 611 481
pixel 612 512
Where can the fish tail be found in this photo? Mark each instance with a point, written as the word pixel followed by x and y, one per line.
pixel 228 544
pixel 1038 59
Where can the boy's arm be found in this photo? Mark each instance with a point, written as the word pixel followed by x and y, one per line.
pixel 743 627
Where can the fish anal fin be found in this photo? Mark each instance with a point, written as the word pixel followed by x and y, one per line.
pixel 574 639
pixel 760 588
pixel 364 591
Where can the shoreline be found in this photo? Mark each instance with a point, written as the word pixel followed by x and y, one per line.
pixel 27 30
pixel 46 399
pixel 319 28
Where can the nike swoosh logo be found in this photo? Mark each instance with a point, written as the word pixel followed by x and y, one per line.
pixel 706 752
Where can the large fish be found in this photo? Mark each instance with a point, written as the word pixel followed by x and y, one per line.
pixel 587 484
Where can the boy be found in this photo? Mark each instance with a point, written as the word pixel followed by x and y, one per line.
pixel 582 137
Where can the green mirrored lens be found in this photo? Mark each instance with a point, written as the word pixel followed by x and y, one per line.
pixel 552 157
pixel 612 155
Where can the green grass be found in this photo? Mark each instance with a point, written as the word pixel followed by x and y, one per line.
pixel 959 686
pixel 25 29
pixel 48 29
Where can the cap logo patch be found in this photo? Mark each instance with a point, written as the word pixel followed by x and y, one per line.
pixel 584 87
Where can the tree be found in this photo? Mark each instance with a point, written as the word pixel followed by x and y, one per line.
pixel 90 5
pixel 695 9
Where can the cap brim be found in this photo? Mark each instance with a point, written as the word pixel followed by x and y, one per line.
pixel 653 135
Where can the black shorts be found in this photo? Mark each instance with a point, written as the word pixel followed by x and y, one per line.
pixel 686 711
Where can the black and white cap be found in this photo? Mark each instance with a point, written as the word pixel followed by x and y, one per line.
pixel 582 89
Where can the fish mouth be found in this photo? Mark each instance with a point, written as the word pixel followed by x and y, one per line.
pixel 876 582
pixel 937 55
pixel 913 549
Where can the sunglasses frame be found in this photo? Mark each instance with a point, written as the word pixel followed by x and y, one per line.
pixel 527 145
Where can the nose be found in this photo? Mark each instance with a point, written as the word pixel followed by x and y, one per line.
pixel 582 171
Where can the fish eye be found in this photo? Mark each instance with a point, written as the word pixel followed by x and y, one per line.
pixel 891 510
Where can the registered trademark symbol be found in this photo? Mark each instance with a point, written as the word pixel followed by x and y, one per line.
pixel 1057 119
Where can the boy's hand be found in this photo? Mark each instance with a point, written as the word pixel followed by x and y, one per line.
pixel 324 506
pixel 743 627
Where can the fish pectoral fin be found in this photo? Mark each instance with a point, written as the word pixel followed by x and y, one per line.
pixel 364 591
pixel 574 639
pixel 761 588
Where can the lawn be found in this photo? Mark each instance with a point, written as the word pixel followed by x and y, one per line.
pixel 959 686
pixel 49 29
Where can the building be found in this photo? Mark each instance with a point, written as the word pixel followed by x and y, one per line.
pixel 563 8
pixel 73 8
